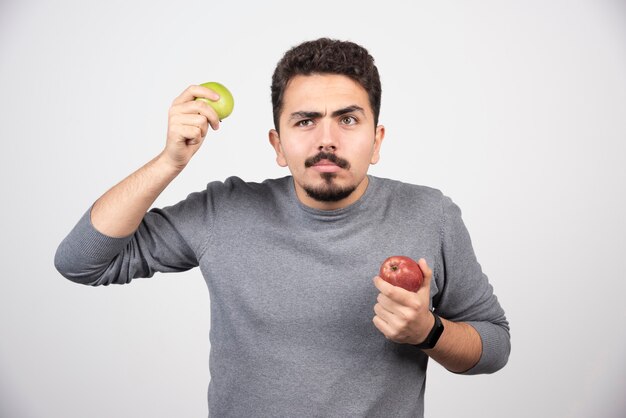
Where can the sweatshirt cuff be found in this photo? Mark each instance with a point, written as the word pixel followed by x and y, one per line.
pixel 496 346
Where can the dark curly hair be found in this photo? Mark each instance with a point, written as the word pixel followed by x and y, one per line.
pixel 327 56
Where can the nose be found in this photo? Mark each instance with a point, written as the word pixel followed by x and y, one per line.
pixel 327 148
pixel 327 139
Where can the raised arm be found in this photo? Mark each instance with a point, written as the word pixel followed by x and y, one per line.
pixel 120 210
pixel 117 239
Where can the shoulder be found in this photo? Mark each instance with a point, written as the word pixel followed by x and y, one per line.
pixel 410 195
pixel 236 186
pixel 235 191
pixel 413 200
pixel 232 188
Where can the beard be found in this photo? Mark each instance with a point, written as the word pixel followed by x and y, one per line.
pixel 329 191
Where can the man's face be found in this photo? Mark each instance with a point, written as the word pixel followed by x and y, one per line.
pixel 327 139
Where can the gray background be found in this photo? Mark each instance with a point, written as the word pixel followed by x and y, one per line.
pixel 517 110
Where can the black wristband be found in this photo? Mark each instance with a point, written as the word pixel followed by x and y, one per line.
pixel 433 335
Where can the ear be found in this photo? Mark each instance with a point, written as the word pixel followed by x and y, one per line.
pixel 378 140
pixel 278 147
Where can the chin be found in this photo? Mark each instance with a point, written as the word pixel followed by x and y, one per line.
pixel 329 190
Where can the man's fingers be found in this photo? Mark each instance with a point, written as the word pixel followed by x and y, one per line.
pixel 399 313
pixel 384 314
pixel 395 293
pixel 197 108
pixel 196 120
pixel 194 91
pixel 428 273
pixel 387 303
pixel 190 134
pixel 383 326
pixel 424 290
pixel 202 108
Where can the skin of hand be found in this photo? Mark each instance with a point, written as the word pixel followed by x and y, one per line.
pixel 188 124
pixel 403 316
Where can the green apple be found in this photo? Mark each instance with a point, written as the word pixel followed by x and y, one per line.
pixel 223 106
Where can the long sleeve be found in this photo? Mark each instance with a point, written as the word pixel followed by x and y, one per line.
pixel 167 240
pixel 466 295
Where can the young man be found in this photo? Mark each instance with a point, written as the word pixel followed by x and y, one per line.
pixel 298 328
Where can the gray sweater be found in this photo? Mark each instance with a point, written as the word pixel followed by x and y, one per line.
pixel 292 295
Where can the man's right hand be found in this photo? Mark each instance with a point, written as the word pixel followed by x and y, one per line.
pixel 188 124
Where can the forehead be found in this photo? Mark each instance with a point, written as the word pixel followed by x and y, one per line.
pixel 323 92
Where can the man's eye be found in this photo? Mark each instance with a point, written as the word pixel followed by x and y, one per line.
pixel 348 120
pixel 304 122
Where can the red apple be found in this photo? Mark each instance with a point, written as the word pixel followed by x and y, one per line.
pixel 403 272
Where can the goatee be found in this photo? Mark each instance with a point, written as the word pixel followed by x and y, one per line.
pixel 329 192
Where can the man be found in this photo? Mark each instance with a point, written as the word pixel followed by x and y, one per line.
pixel 289 262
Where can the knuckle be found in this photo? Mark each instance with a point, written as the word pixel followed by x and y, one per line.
pixel 412 315
pixel 415 305
pixel 403 321
pixel 174 117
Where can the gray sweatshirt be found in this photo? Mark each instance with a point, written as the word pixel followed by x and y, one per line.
pixel 292 295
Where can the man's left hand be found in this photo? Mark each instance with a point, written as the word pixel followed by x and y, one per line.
pixel 403 316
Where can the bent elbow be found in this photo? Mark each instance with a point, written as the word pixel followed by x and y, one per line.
pixel 501 360
pixel 70 267
pixel 64 265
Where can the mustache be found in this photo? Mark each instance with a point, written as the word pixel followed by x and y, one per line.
pixel 309 162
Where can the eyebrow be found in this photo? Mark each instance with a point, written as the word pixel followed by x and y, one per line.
pixel 348 109
pixel 303 114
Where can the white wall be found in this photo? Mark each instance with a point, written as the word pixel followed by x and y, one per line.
pixel 517 110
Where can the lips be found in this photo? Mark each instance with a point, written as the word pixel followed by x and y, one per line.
pixel 326 166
